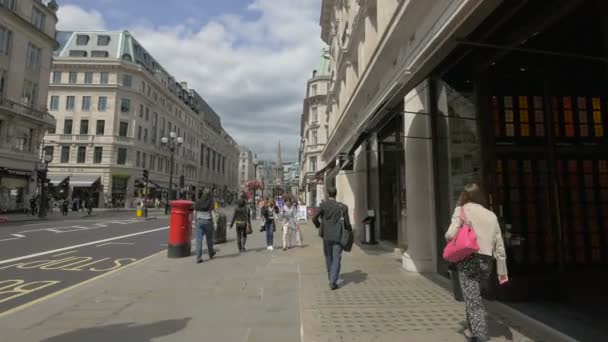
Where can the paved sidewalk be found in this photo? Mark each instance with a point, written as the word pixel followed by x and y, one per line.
pixel 257 296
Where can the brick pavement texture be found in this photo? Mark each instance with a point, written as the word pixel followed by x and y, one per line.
pixel 256 296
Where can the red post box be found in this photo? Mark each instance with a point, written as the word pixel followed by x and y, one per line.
pixel 180 229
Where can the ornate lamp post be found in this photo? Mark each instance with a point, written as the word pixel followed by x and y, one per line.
pixel 171 143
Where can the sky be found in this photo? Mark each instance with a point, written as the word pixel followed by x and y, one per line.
pixel 249 59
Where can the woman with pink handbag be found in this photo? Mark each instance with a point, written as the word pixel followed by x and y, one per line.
pixel 474 241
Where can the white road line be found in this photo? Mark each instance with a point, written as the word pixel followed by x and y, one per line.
pixel 81 245
pixel 115 243
pixel 9 239
pixel 18 235
pixel 65 253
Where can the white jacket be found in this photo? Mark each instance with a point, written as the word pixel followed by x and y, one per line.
pixel 486 227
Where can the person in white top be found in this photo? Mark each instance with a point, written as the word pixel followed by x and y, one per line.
pixel 288 215
pixel 475 270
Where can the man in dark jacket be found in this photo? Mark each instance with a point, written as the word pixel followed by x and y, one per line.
pixel 332 213
pixel 204 225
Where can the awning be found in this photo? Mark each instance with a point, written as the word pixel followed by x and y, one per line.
pixel 56 179
pixel 321 173
pixel 83 181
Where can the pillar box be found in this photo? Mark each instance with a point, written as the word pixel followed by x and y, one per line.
pixel 180 229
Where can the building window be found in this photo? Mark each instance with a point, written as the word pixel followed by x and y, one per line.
pixel 82 39
pixel 102 104
pixel 78 53
pixel 10 4
pixel 122 156
pixel 88 77
pixel 313 90
pixel 141 110
pixel 70 103
pixel 104 78
pixel 65 154
pixel 312 166
pixel 86 103
pixel 5 40
pixel 315 114
pixel 100 54
pixel 123 129
pixel 49 151
pixel 147 114
pixel 73 77
pixel 67 126
pixel 84 126
pixel 315 137
pixel 145 135
pixel 138 159
pixel 138 132
pixel 103 40
pixel 143 159
pixel 127 80
pixel 38 18
pixel 208 156
pixel 2 81
pixel 82 154
pixel 57 77
pixel 101 127
pixel 152 162
pixel 33 56
pixel 97 154
pixel 30 92
pixel 54 102
pixel 125 105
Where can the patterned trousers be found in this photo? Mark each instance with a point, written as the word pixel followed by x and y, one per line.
pixel 473 272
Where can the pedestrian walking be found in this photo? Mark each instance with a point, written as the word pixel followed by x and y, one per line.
pixel 334 216
pixel 242 219
pixel 204 225
pixel 268 213
pixel 288 216
pixel 474 271
pixel 34 206
pixel 89 204
pixel 65 205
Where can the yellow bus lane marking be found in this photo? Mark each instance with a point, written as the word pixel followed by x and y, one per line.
pixel 18 287
pixel 88 281
pixel 72 263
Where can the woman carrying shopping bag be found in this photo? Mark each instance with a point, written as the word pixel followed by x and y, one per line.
pixel 474 242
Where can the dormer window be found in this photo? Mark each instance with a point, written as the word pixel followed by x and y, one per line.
pixel 82 39
pixel 127 57
pixel 103 40
pixel 100 54
pixel 78 53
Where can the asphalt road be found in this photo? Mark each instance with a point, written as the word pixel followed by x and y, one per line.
pixel 37 260
pixel 41 259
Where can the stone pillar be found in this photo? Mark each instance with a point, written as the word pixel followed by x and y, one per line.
pixel 420 221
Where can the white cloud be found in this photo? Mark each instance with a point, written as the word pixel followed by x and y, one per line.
pixel 253 72
pixel 74 18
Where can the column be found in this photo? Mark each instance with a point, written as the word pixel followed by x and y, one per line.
pixel 420 220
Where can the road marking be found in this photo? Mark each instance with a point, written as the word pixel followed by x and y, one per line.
pixel 55 294
pixel 115 243
pixel 18 235
pixel 9 239
pixel 81 245
pixel 60 254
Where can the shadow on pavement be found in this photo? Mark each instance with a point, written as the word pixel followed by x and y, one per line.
pixel 355 277
pixel 123 332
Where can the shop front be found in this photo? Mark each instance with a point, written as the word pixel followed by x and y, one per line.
pixel 524 113
pixel 14 189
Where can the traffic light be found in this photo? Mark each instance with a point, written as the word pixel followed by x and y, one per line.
pixel 145 175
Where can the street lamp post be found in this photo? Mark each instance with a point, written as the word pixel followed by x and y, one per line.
pixel 255 190
pixel 172 143
pixel 41 170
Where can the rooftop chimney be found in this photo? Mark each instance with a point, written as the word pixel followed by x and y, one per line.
pixel 184 85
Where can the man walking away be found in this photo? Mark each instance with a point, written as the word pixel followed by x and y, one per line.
pixel 332 214
pixel 204 225
pixel 242 218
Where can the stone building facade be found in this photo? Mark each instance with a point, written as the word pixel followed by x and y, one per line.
pixel 27 41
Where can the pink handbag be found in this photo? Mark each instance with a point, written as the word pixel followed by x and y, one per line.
pixel 463 244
